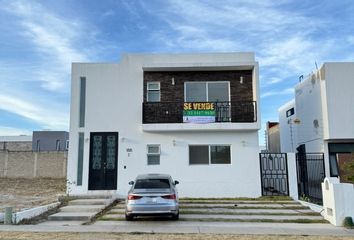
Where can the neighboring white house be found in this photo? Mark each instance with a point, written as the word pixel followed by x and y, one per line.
pixel 194 116
pixel 273 137
pixel 288 127
pixel 323 119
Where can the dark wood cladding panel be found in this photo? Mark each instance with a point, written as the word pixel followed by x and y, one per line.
pixel 163 112
pixel 175 93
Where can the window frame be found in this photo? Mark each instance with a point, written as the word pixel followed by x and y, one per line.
pixel 82 101
pixel 209 154
pixel 153 90
pixel 67 144
pixel 291 112
pixel 153 154
pixel 80 158
pixel 57 145
pixel 207 88
pixel 38 145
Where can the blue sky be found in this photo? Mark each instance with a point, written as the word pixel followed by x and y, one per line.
pixel 40 39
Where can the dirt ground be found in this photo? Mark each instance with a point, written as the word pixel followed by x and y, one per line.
pixel 23 193
pixel 140 236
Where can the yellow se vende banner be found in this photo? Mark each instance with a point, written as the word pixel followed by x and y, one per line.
pixel 198 112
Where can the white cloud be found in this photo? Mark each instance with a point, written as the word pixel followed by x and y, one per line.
pixel 108 13
pixel 54 39
pixel 286 91
pixel 31 89
pixel 350 39
pixel 294 54
pixel 9 131
pixel 266 80
pixel 240 23
pixel 49 117
pixel 280 37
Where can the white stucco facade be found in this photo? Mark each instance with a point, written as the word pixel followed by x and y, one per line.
pixel 337 100
pixel 308 106
pixel 114 97
pixel 324 106
pixel 324 112
pixel 288 128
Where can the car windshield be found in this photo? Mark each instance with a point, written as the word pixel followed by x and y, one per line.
pixel 152 183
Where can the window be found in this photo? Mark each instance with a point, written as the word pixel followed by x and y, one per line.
pixel 218 92
pixel 206 92
pixel 290 112
pixel 153 154
pixel 57 145
pixel 337 164
pixel 198 154
pixel 333 165
pixel 38 145
pixel 220 155
pixel 82 102
pixel 195 92
pixel 209 154
pixel 152 183
pixel 153 92
pixel 80 159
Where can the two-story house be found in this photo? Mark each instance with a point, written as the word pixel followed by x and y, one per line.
pixel 320 119
pixel 193 116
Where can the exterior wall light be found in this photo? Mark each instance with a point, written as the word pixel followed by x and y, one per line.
pixel 297 121
pixel 241 80
pixel 173 81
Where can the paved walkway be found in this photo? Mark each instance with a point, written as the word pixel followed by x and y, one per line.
pixel 81 209
pixel 190 227
pixel 210 216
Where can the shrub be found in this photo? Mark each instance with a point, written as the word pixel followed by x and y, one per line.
pixel 348 222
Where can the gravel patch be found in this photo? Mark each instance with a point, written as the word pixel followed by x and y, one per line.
pixel 21 193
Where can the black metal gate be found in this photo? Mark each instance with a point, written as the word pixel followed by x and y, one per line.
pixel 310 174
pixel 274 174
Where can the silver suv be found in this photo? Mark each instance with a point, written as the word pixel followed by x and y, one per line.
pixel 152 194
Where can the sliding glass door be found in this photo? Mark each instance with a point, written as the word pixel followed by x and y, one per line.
pixel 207 92
pixel 216 92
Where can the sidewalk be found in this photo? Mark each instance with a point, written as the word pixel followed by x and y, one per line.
pixel 189 227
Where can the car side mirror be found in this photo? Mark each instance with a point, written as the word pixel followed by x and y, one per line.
pixel 131 183
pixel 176 182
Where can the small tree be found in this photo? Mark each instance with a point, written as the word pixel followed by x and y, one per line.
pixel 351 169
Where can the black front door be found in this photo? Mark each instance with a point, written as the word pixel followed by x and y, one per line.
pixel 103 161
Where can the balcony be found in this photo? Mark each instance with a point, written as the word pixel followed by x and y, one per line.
pixel 212 113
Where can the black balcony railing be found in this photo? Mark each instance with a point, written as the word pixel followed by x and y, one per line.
pixel 172 112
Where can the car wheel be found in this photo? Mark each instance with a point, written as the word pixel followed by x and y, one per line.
pixel 129 217
pixel 175 216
